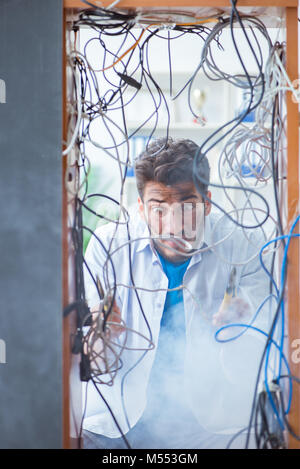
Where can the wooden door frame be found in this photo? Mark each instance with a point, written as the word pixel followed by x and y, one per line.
pixel 70 363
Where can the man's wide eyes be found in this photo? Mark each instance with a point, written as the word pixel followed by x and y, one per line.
pixel 188 206
pixel 158 209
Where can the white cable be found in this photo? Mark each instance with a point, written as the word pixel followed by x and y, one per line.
pixel 113 4
pixel 76 130
pixel 291 88
pixel 258 134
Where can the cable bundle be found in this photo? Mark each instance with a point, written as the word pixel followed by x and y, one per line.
pixel 103 95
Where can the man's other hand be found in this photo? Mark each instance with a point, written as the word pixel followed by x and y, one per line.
pixel 232 310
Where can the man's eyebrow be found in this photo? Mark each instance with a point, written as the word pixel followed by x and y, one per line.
pixel 156 200
pixel 190 196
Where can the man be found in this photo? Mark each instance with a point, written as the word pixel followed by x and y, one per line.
pixel 178 273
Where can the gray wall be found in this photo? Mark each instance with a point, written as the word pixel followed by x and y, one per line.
pixel 30 225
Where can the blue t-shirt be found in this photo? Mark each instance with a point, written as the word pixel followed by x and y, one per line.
pixel 169 358
pixel 167 402
pixel 175 273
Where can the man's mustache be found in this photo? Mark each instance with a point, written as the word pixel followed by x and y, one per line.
pixel 181 242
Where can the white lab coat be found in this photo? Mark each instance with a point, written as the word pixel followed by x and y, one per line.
pixel 219 378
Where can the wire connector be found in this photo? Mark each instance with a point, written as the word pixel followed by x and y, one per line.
pixel 85 368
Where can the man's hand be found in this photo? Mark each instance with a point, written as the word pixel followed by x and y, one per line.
pixel 113 326
pixel 232 310
pixel 99 344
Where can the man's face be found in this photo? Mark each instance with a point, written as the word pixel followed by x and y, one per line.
pixel 175 216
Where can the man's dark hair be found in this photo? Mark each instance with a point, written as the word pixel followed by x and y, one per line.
pixel 170 162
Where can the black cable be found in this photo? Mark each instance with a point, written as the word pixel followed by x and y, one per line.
pixel 275 182
pixel 268 437
pixel 283 287
pixel 82 419
pixel 268 341
pixel 288 425
pixel 141 309
pixel 274 173
pixel 199 181
pixel 99 20
pixel 113 416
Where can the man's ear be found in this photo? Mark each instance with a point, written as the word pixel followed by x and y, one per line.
pixel 141 208
pixel 207 204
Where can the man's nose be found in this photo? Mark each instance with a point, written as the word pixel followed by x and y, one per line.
pixel 175 222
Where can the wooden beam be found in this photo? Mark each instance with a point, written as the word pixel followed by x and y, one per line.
pixel 293 293
pixel 185 3
pixel 72 409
